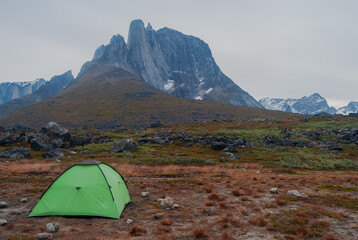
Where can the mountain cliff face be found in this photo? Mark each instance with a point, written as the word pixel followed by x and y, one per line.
pixel 352 107
pixel 49 89
pixel 307 105
pixel 175 63
pixel 13 90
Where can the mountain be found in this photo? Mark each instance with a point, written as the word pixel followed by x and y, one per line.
pixel 13 90
pixel 175 63
pixel 106 97
pixel 307 105
pixel 49 89
pixel 352 107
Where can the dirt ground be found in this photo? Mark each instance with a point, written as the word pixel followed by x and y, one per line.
pixel 223 201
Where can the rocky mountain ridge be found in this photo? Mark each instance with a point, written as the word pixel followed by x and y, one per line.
pixel 49 89
pixel 12 90
pixel 310 105
pixel 175 63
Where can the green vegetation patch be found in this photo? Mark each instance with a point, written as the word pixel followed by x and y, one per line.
pixel 313 159
pixel 254 135
pixel 332 124
pixel 337 188
pixel 95 148
pixel 340 201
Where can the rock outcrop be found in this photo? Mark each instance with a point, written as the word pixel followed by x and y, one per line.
pixel 20 152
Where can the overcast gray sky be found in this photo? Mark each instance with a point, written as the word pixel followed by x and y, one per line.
pixel 270 48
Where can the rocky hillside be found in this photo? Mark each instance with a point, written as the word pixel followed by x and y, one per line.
pixel 175 63
pixel 49 89
pixel 107 97
pixel 13 90
pixel 311 105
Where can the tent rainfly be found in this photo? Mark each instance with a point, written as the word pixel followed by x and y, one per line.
pixel 88 188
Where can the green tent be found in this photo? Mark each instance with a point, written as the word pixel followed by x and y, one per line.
pixel 88 188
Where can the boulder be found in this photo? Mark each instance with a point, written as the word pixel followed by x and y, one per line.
pixel 294 193
pixel 44 236
pixel 274 190
pixel 145 193
pixel 52 227
pixel 23 200
pixel 218 145
pixel 80 140
pixel 55 131
pixel 230 149
pixel 99 139
pixel 53 153
pixel 286 133
pixel 40 142
pixel 332 147
pixel 6 140
pixel 3 204
pixel 129 221
pixel 175 206
pixel 51 136
pixel 127 145
pixel 21 128
pixel 2 222
pixel 20 152
pixel 167 202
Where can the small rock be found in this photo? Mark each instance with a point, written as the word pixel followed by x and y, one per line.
pixel 145 194
pixel 57 160
pixel 167 202
pixel 274 190
pixel 52 227
pixel 158 216
pixel 129 221
pixel 303 195
pixel 53 153
pixel 126 145
pixel 44 236
pixel 3 204
pixel 2 222
pixel 175 206
pixel 23 200
pixel 206 212
pixel 85 152
pixel 293 193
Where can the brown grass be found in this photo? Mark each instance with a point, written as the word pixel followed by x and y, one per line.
pixel 200 232
pixel 137 231
pixel 236 193
pixel 166 222
pixel 258 220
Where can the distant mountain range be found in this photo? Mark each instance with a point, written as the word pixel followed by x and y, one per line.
pixel 47 90
pixel 13 90
pixel 310 105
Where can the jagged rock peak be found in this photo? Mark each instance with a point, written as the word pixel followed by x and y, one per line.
pixel 178 64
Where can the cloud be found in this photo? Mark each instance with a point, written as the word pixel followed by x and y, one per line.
pixel 273 48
